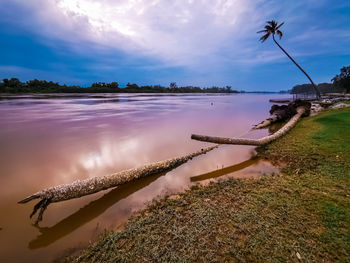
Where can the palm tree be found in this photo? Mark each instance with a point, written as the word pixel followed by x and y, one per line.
pixel 273 28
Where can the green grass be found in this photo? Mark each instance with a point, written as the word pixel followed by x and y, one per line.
pixel 304 211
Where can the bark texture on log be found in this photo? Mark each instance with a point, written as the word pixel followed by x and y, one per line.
pixel 81 188
pixel 259 142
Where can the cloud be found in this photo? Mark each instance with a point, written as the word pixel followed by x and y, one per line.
pixel 194 41
pixel 178 32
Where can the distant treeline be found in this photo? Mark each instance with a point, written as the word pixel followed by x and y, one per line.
pixel 341 83
pixel 14 85
pixel 307 88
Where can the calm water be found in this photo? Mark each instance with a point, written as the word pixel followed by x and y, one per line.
pixel 49 141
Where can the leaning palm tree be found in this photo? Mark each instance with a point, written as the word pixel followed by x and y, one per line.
pixel 273 28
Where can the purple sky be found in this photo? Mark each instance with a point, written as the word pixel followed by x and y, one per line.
pixel 190 42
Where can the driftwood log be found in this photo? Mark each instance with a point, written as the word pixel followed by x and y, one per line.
pixel 300 111
pixel 284 112
pixel 81 188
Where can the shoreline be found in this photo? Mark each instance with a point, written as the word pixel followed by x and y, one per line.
pixel 243 219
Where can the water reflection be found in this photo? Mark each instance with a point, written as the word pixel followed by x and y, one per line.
pixel 225 171
pixel 51 234
pixel 92 102
pixel 54 139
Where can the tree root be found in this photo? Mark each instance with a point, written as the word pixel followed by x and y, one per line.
pixel 93 185
pixel 284 112
pixel 42 205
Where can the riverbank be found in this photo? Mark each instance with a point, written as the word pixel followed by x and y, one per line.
pixel 302 214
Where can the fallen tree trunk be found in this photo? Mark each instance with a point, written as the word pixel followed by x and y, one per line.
pixel 284 112
pixel 259 142
pixel 93 185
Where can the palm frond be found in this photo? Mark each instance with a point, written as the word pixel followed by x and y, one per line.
pixel 279 33
pixel 271 28
pixel 264 37
pixel 272 23
pixel 280 25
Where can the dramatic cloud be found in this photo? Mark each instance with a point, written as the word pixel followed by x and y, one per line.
pixel 199 42
pixel 179 32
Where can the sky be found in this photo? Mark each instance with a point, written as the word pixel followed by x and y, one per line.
pixel 191 42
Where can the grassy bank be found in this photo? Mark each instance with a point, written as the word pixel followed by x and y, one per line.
pixel 300 215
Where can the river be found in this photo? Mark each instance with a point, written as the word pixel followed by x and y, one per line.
pixel 47 140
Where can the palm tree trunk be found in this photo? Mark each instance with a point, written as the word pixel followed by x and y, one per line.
pixel 285 52
pixel 259 142
pixel 93 185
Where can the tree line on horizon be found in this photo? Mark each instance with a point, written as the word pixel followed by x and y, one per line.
pixel 340 83
pixel 14 85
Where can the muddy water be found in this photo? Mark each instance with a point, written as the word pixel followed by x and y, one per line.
pixel 46 141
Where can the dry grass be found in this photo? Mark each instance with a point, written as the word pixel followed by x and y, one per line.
pixel 301 215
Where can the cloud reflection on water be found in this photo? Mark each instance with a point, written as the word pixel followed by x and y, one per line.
pixel 59 141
